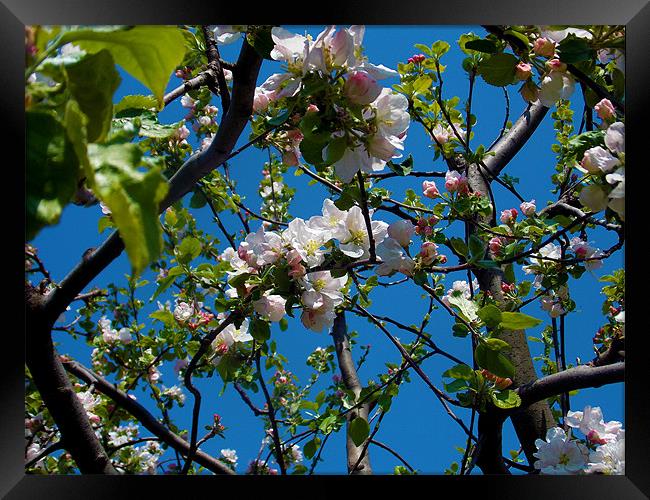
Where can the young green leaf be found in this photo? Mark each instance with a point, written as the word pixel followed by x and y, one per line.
pixel 359 430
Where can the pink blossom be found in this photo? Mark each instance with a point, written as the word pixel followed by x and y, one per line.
pixel 523 71
pixel 270 306
pixel 528 208
pixel 496 244
pixel 430 190
pixel 428 252
pixel 509 216
pixel 261 100
pixel 605 110
pixel 361 88
pixel 555 65
pixel 455 181
pixel 544 47
pixel 312 108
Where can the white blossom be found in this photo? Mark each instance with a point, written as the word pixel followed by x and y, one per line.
pixel 558 454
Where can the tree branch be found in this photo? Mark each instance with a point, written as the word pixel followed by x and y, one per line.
pixel 143 416
pixel 352 383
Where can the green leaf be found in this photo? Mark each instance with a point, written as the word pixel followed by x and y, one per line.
pixel 522 42
pixel 163 315
pixel 573 50
pixel 52 169
pixel 260 330
pixel 491 315
pixel 403 168
pixel 147 123
pixel 135 102
pixel 476 247
pixel 227 367
pixel 312 151
pixel 524 288
pixel 459 330
pixel 149 53
pixel 189 249
pixel 439 48
pixel 499 69
pixel 506 399
pixel 456 385
pixel 421 278
pixel 311 447
pixel 133 198
pixel 359 430
pixel 92 81
pixel 422 84
pixel 459 246
pixel 493 360
pixel 480 45
pixel 335 150
pixel 518 321
pixel 459 371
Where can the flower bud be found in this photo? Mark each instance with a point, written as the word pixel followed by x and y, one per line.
pixel 428 252
pixel 271 307
pixel 605 110
pixel 555 65
pixel 544 47
pixel 361 88
pixel 509 216
pixel 430 190
pixel 523 71
pixel 528 208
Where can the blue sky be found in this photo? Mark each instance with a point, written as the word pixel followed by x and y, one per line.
pixel 417 426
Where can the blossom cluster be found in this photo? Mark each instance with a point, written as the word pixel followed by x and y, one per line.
pixel 601 452
pixel 377 133
pixel 606 170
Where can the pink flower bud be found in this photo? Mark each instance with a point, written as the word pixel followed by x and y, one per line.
pixel 261 100
pixel 271 307
pixel 555 65
pixel 523 71
pixel 442 259
pixel 605 110
pixel 428 252
pixel 455 181
pixel 361 88
pixel 312 108
pixel 495 245
pixel 528 208
pixel 430 190
pixel 509 216
pixel 544 47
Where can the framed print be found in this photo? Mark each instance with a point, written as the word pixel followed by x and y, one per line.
pixel 385 241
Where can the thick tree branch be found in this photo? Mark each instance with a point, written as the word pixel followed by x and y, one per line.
pixel 143 416
pixel 58 394
pixel 352 383
pixel 579 377
pixel 515 139
pixel 532 422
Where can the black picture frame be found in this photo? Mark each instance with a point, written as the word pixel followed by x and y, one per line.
pixel 635 14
